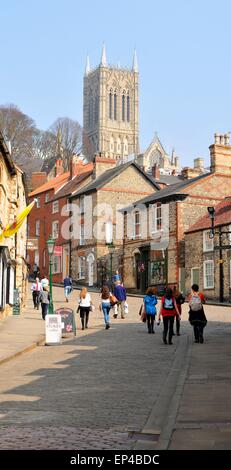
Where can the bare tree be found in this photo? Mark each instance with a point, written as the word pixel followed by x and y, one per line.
pixel 21 131
pixel 68 137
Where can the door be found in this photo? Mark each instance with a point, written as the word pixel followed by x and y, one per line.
pixel 182 280
pixel 195 276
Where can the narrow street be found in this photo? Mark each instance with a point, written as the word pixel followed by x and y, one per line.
pixel 103 388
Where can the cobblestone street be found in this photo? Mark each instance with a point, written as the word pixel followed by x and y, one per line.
pixel 98 390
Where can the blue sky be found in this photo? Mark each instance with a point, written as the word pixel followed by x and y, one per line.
pixel 184 56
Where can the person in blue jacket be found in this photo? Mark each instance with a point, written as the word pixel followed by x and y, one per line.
pixel 150 301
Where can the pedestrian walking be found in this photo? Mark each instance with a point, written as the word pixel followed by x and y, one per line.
pixel 44 298
pixel 197 316
pixel 180 299
pixel 150 302
pixel 168 311
pixel 44 281
pixel 67 282
pixel 85 304
pixel 120 294
pixel 36 271
pixel 36 289
pixel 105 305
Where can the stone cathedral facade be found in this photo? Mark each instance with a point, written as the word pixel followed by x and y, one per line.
pixel 111 110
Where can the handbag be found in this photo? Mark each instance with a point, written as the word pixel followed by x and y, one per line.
pixel 113 300
pixel 143 314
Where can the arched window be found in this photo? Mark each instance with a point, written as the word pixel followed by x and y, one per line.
pixel 128 108
pixel 118 145
pixel 115 105
pixel 123 106
pixel 110 104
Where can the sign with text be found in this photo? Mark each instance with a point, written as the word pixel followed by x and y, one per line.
pixel 67 319
pixel 53 329
pixel 32 244
pixel 58 250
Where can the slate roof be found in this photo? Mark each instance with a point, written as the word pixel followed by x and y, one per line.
pixel 172 190
pixel 70 186
pixel 222 217
pixel 108 175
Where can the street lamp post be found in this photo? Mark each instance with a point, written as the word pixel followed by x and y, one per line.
pixel 50 248
pixel 220 247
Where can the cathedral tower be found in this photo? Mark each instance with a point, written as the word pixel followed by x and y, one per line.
pixel 111 110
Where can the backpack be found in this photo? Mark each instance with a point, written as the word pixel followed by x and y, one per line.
pixel 168 304
pixel 195 303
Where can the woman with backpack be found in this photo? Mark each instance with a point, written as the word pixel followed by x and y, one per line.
pixel 168 311
pixel 150 301
pixel 197 316
pixel 180 299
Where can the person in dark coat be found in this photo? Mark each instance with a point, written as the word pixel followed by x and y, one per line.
pixel 197 316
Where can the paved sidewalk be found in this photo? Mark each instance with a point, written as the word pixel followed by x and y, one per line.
pixel 190 383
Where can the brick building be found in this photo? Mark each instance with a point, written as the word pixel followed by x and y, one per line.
pixel 113 186
pixel 186 202
pixel 48 217
pixel 205 264
pixel 13 267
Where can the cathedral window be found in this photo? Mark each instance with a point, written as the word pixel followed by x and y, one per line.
pixel 123 106
pixel 128 108
pixel 115 106
pixel 110 104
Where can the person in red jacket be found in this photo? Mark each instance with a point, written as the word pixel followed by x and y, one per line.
pixel 168 311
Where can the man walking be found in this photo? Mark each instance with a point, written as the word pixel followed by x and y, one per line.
pixel 120 294
pixel 67 286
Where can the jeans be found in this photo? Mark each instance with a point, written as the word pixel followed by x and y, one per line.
pixel 150 322
pixel 168 327
pixel 35 295
pixel 67 290
pixel 44 310
pixel 106 309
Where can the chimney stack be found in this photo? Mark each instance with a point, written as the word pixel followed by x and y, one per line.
pixel 156 171
pixel 59 170
pixel 220 154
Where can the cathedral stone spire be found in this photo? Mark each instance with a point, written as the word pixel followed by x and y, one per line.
pixel 103 62
pixel 135 62
pixel 88 67
pixel 173 159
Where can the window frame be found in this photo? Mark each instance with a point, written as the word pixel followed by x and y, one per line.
pixel 81 267
pixel 137 225
pixel 54 204
pixel 206 263
pixel 211 240
pixel 57 231
pixel 59 264
pixel 37 228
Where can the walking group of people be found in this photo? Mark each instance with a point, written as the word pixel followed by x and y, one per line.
pixel 170 308
pixel 40 294
pixel 115 300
